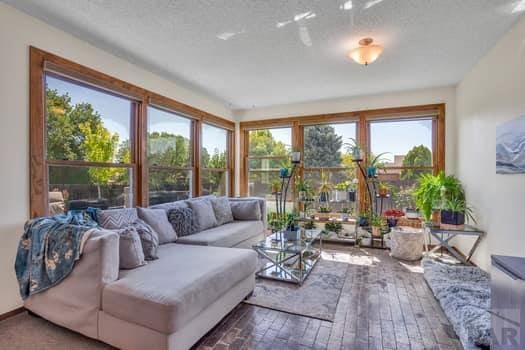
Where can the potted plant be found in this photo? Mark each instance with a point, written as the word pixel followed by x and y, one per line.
pixel 324 189
pixel 354 148
pixel 275 186
pixel 340 192
pixel 302 188
pixel 309 225
pixel 323 213
pixel 292 228
pixel 333 226
pixel 428 194
pixel 383 189
pixel 455 212
pixel 352 191
pixel 365 239
pixel 295 156
pixel 374 163
pixel 377 223
pixel 345 213
pixel 363 219
pixel 434 191
pixel 284 170
pixel 274 221
pixel 392 216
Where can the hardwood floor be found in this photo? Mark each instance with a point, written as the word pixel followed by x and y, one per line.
pixel 384 304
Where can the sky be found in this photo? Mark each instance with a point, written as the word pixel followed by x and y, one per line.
pixel 396 137
pixel 116 112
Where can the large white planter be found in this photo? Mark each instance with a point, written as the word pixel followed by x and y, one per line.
pixel 406 243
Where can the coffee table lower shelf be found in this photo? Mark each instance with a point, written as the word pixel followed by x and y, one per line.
pixel 292 268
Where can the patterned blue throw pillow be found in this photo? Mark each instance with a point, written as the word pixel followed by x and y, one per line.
pixel 182 221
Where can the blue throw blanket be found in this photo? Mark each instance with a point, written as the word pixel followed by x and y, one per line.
pixel 48 250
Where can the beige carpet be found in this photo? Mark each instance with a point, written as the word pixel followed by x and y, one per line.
pixel 316 298
pixel 42 335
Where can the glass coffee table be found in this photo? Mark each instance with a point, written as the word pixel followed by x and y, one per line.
pixel 289 260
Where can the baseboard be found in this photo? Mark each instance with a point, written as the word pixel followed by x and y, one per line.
pixel 12 313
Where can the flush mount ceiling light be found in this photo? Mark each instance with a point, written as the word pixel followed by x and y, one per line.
pixel 366 53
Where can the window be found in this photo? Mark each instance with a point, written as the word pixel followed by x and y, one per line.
pixel 89 146
pixel 215 173
pixel 268 151
pixel 326 150
pixel 97 141
pixel 169 140
pixel 409 141
pixel 405 151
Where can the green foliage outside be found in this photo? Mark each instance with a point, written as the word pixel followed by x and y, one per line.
pixel 419 156
pixel 322 147
pixel 76 132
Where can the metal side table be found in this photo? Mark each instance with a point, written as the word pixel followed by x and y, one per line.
pixel 445 235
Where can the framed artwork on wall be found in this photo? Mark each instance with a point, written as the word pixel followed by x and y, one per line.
pixel 510 147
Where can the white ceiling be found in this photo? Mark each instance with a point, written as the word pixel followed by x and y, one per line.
pixel 259 53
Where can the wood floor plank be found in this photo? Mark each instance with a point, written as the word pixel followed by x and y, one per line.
pixel 383 305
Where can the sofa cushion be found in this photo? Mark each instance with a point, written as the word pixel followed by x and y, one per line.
pixel 246 210
pixel 130 249
pixel 181 220
pixel 222 209
pixel 170 205
pixel 158 219
pixel 203 214
pixel 148 238
pixel 113 219
pixel 168 293
pixel 228 235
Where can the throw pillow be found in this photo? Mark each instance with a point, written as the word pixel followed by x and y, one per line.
pixel 148 238
pixel 222 209
pixel 113 219
pixel 246 210
pixel 130 249
pixel 158 220
pixel 182 221
pixel 203 214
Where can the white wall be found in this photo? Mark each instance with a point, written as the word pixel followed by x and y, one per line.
pixel 396 99
pixel 492 93
pixel 17 32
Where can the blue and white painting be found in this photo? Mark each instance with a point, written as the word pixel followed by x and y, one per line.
pixel 510 147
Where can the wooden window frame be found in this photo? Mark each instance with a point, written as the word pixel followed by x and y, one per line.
pixel 246 142
pixel 362 119
pixel 230 159
pixel 42 62
pixel 191 166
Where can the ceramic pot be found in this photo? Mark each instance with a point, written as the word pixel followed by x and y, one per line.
pixel 366 241
pixel 455 218
pixel 296 157
pixel 283 172
pixel 376 231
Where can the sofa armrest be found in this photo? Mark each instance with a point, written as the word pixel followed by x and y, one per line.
pixel 262 205
pixel 74 303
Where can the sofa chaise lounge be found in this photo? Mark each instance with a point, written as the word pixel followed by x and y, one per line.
pixel 168 304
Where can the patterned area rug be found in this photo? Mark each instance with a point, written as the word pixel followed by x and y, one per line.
pixel 316 298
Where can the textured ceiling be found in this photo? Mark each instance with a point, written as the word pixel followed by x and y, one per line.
pixel 258 53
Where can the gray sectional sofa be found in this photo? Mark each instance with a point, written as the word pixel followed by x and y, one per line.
pixel 169 303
